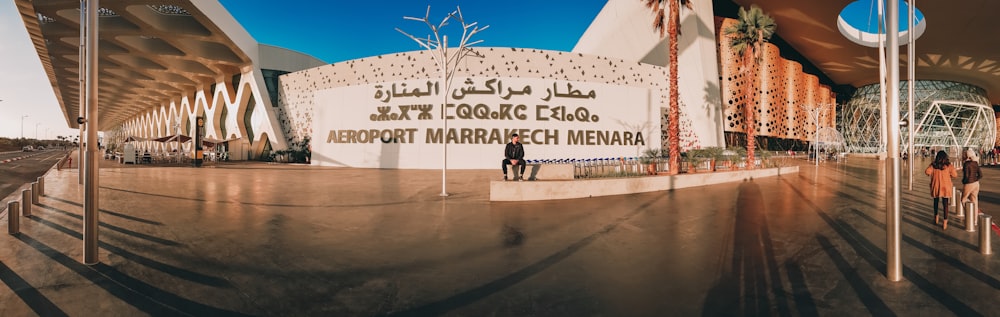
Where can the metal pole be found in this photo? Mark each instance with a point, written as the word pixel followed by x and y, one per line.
pixel 985 237
pixel 815 116
pixel 882 77
pixel 198 154
pixel 177 132
pixel 444 113
pixel 894 269
pixel 41 185
pixel 13 221
pixel 83 88
pixel 911 77
pixel 91 179
pixel 22 125
pixel 25 203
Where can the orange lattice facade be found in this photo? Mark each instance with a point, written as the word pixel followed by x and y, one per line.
pixel 781 94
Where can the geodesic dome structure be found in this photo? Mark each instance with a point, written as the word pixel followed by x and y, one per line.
pixel 830 140
pixel 946 114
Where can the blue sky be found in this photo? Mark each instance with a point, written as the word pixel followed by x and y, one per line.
pixel 341 30
pixel 863 15
pixel 331 30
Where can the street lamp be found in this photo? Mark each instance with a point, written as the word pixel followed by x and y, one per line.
pixel 36 130
pixel 22 125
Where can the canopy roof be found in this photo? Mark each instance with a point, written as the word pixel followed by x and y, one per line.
pixel 173 138
pixel 956 45
pixel 150 52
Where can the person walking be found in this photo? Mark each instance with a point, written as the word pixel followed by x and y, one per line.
pixel 941 172
pixel 971 174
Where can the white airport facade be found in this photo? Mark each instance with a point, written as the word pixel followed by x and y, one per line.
pixel 605 99
pixel 563 105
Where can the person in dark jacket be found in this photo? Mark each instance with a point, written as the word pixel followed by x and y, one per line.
pixel 514 155
pixel 970 177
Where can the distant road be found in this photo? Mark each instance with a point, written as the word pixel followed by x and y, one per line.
pixel 15 173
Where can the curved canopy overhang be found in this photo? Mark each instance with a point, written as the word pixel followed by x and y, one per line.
pixel 150 52
pixel 956 44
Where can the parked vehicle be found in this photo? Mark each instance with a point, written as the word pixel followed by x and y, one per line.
pixel 27 148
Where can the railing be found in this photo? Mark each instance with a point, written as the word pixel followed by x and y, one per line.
pixel 604 167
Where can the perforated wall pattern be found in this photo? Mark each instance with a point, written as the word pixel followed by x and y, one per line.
pixel 781 94
pixel 296 92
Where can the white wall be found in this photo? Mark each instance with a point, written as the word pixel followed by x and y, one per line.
pixel 538 68
pixel 277 58
pixel 398 124
pixel 623 29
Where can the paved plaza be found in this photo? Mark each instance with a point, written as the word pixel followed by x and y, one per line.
pixel 255 239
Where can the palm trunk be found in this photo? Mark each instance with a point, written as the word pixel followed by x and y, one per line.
pixel 673 115
pixel 748 113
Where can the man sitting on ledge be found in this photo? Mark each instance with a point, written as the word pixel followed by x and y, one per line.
pixel 514 155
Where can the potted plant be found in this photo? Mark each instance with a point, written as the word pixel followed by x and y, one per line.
pixel 664 161
pixel 648 159
pixel 765 158
pixel 714 154
pixel 735 155
pixel 693 159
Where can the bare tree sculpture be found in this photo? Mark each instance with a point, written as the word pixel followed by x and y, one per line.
pixel 815 111
pixel 447 63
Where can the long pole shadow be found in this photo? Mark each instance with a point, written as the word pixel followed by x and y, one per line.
pixel 157 265
pixel 800 290
pixel 985 278
pixel 868 297
pixel 114 228
pixel 875 257
pixel 29 294
pixel 475 294
pixel 116 214
pixel 909 199
pixel 139 294
pixel 753 264
pixel 909 218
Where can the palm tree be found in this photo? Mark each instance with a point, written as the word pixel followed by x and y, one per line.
pixel 747 36
pixel 673 113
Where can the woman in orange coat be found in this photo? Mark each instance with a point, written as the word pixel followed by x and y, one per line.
pixel 941 173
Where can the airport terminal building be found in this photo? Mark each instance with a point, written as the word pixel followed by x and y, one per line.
pixel 165 65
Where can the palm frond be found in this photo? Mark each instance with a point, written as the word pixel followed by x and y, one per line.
pixel 659 16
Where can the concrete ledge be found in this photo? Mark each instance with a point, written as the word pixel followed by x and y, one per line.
pixel 549 172
pixel 582 188
pixel 877 156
